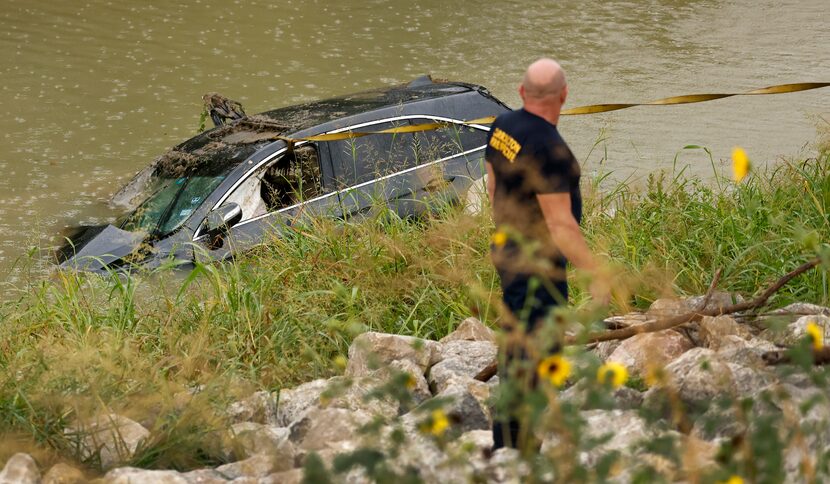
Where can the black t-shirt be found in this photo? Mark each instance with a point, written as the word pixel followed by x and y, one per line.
pixel 529 157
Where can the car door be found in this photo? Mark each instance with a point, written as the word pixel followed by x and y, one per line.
pixel 406 171
pixel 284 190
pixel 372 171
pixel 454 156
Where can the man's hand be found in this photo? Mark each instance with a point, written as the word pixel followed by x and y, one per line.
pixel 566 234
pixel 600 287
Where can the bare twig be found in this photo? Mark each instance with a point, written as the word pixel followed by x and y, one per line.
pixel 711 290
pixel 779 357
pixel 488 372
pixel 668 323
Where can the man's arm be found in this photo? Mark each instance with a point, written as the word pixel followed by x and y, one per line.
pixel 566 234
pixel 491 181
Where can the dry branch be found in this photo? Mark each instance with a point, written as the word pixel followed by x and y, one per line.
pixel 780 357
pixel 668 323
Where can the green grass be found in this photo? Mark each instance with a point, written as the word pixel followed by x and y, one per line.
pixel 72 344
pixel 682 231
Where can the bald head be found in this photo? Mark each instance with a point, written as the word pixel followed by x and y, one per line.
pixel 544 78
pixel 544 90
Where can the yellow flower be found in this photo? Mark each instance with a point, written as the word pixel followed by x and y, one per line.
pixel 499 238
pixel 340 361
pixel 437 424
pixel 740 163
pixel 816 335
pixel 555 369
pixel 614 373
pixel 733 479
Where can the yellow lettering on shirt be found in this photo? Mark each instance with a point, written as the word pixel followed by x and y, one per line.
pixel 505 144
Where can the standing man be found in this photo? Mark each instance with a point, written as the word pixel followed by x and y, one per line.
pixel 533 184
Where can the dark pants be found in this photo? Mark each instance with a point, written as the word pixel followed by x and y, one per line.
pixel 530 300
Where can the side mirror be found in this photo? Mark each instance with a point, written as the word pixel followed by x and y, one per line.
pixel 223 218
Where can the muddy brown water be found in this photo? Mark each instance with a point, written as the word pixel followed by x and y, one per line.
pixel 91 91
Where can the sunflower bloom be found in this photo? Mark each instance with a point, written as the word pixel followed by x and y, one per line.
pixel 613 373
pixel 740 164
pixel 556 369
pixel 499 238
pixel 816 335
pixel 437 424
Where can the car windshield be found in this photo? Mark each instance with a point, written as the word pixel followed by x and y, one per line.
pixel 170 203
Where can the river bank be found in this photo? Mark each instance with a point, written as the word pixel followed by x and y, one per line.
pixel 174 355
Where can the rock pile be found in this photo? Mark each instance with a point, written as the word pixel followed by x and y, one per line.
pixel 272 435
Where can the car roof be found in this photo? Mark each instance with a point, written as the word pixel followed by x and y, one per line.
pixel 220 149
pixel 310 114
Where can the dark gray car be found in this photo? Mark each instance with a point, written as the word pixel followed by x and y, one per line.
pixel 222 191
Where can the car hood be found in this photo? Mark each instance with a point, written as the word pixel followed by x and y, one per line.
pixel 95 248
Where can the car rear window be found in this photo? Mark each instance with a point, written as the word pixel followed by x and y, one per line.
pixel 369 157
pixel 449 141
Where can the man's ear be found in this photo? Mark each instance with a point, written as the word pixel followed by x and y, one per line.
pixel 563 96
pixel 522 92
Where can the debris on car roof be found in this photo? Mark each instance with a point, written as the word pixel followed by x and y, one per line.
pixel 221 108
pixel 250 129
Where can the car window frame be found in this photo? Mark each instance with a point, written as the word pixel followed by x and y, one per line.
pixel 324 151
pixel 348 176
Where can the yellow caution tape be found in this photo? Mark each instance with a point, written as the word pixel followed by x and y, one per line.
pixel 697 98
pixel 590 109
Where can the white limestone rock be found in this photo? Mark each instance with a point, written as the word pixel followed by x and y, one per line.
pixel 114 438
pixel 371 351
pixel 294 402
pixel 465 407
pixel 261 407
pixel 798 329
pixel 20 469
pixel 715 330
pixel 461 359
pixel 62 473
pixel 647 350
pixel 257 466
pixel 294 476
pixel 625 430
pixel 134 475
pixel 328 428
pixel 471 329
pixel 247 439
pixel 698 376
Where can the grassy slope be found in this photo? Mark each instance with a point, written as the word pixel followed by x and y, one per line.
pixel 72 344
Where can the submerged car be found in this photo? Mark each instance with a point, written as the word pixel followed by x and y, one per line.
pixel 228 188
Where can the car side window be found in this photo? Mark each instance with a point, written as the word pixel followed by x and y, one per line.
pixel 368 157
pixel 447 141
pixel 292 178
